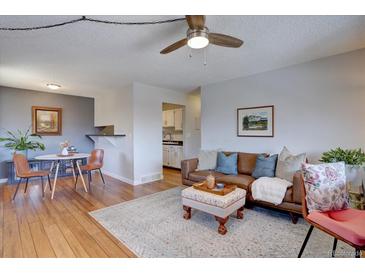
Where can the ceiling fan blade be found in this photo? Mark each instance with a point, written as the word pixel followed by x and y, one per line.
pixel 174 46
pixel 195 21
pixel 224 40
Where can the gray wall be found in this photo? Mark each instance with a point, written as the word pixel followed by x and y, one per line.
pixel 15 113
pixel 318 106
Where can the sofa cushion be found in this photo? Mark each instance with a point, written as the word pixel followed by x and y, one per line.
pixel 246 162
pixel 207 159
pixel 289 195
pixel 201 175
pixel 240 180
pixel 288 164
pixel 265 166
pixel 227 164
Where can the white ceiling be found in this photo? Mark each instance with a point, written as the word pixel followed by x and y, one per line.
pixel 87 58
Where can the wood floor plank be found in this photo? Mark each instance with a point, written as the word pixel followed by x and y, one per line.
pixel 24 231
pixel 41 242
pixel 58 242
pixel 12 247
pixel 33 226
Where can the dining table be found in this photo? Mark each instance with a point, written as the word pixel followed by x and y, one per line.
pixel 57 159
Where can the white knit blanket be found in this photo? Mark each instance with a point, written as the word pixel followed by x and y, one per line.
pixel 271 190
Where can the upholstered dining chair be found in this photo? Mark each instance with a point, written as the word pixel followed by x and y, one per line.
pixel 95 162
pixel 24 172
pixel 347 225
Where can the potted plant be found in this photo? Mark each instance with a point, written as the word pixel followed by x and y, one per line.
pixel 353 158
pixel 21 142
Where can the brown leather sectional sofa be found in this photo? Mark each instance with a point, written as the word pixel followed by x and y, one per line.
pixel 246 164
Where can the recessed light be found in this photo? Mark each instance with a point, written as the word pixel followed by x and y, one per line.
pixel 53 86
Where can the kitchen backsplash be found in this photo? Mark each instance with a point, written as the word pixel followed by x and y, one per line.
pixel 172 134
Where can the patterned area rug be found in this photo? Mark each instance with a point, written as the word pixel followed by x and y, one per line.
pixel 153 226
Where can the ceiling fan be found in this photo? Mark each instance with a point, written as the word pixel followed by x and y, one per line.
pixel 198 36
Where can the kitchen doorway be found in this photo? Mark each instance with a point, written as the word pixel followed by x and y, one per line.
pixel 173 121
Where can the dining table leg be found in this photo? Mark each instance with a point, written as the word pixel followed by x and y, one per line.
pixel 82 177
pixel 55 179
pixel 73 170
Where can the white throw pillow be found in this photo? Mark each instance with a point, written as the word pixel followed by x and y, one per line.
pixel 207 159
pixel 288 164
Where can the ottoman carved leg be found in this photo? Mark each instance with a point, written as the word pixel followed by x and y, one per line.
pixel 187 214
pixel 222 229
pixel 240 213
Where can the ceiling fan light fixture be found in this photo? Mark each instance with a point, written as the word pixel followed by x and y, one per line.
pixel 53 86
pixel 198 39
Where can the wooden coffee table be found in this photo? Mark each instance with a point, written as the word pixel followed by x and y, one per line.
pixel 221 207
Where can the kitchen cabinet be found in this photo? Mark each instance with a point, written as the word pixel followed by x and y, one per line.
pixel 173 118
pixel 178 119
pixel 168 118
pixel 165 155
pixel 172 156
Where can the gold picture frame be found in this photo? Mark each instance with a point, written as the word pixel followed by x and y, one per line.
pixel 47 121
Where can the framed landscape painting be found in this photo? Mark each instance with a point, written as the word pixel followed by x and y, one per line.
pixel 47 120
pixel 255 122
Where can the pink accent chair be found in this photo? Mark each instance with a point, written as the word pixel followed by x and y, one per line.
pixel 346 225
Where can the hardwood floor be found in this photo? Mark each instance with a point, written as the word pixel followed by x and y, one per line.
pixel 33 226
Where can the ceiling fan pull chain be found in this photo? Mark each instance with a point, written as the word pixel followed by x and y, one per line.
pixel 190 53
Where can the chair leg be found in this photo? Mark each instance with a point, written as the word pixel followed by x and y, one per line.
pixel 17 188
pixel 26 185
pixel 357 253
pixel 42 186
pixel 102 177
pixel 305 241
pixel 49 183
pixel 89 179
pixel 334 247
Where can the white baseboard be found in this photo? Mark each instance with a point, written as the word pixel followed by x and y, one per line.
pixel 3 180
pixel 148 178
pixel 142 180
pixel 118 177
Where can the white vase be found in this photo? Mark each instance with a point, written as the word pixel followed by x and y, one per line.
pixel 64 151
pixel 353 175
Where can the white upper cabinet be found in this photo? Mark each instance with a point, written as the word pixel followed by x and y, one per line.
pixel 173 118
pixel 168 118
pixel 178 119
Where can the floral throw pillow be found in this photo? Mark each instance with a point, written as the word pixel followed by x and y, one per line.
pixel 325 186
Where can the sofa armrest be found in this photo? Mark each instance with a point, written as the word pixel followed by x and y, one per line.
pixel 188 166
pixel 297 187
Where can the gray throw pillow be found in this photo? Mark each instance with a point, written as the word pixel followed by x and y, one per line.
pixel 265 166
pixel 288 164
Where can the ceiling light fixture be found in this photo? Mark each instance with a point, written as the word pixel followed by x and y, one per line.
pixel 53 86
pixel 198 39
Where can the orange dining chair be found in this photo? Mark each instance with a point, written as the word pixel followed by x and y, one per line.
pixel 24 172
pixel 95 162
pixel 347 225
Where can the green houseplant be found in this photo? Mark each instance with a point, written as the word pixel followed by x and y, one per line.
pixel 353 158
pixel 22 142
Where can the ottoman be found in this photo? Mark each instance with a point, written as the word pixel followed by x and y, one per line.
pixel 219 206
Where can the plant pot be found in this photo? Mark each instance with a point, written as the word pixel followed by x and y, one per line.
pixel 354 175
pixel 24 152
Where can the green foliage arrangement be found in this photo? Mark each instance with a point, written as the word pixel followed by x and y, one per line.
pixel 19 141
pixel 354 157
